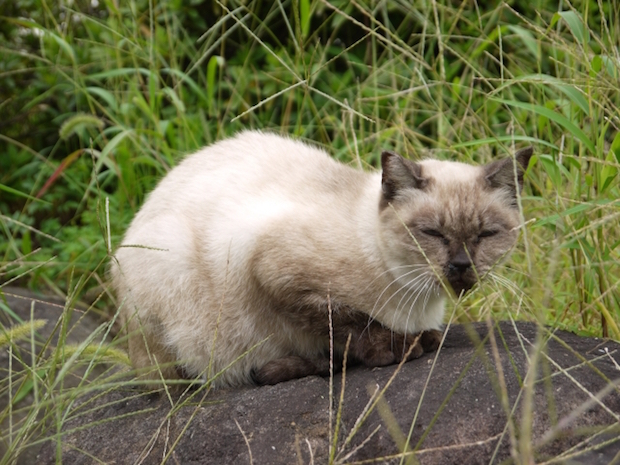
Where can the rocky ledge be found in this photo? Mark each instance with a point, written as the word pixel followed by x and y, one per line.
pixel 479 401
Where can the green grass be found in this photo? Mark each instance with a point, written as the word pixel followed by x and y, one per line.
pixel 102 101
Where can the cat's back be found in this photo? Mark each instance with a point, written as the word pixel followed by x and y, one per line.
pixel 255 166
pixel 241 187
pixel 256 155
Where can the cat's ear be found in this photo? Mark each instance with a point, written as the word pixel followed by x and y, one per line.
pixel 399 173
pixel 501 173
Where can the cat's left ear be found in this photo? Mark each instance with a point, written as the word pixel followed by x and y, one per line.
pixel 501 173
pixel 399 173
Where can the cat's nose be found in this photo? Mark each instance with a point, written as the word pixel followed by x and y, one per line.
pixel 460 263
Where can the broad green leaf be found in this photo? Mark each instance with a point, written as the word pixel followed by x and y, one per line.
pixel 604 62
pixel 615 146
pixel 571 211
pixel 174 98
pixel 494 140
pixel 214 63
pixel 485 43
pixel 105 95
pixel 608 172
pixel 575 24
pixel 553 116
pixel 118 72
pixel 27 386
pixel 552 168
pixel 110 147
pixel 190 82
pixel 611 65
pixel 569 90
pixel 26 242
pixel 21 194
pixel 527 38
pixel 63 44
pixel 304 12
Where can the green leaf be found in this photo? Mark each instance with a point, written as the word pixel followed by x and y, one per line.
pixel 569 90
pixel 105 95
pixel 597 63
pixel 552 168
pixel 174 98
pixel 613 69
pixel 485 43
pixel 27 386
pixel 575 24
pixel 118 72
pixel 62 43
pixel 571 211
pixel 528 40
pixel 190 82
pixel 6 309
pixel 21 194
pixel 26 243
pixel 553 116
pixel 304 12
pixel 615 146
pixel 607 171
pixel 214 62
pixel 494 140
pixel 110 147
pixel 604 62
pixel 139 101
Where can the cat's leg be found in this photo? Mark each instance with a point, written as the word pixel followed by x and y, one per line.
pixel 381 341
pixel 291 367
pixel 149 357
pixel 371 344
pixel 431 339
pixel 377 345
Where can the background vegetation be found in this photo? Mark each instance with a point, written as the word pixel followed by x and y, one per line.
pixel 100 98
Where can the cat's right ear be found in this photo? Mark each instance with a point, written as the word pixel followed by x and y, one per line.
pixel 399 173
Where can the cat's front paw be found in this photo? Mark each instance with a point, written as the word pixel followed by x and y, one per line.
pixel 430 340
pixel 377 357
pixel 386 348
pixel 402 347
pixel 284 369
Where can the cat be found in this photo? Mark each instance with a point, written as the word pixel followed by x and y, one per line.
pixel 237 261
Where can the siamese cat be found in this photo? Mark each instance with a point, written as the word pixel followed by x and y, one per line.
pixel 249 251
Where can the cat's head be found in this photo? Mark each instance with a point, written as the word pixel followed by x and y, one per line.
pixel 449 221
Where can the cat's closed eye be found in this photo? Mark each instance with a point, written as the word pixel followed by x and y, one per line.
pixel 435 233
pixel 487 233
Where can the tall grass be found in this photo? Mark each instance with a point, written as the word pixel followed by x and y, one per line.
pixel 104 98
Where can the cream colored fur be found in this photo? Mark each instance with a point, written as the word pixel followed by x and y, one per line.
pixel 257 225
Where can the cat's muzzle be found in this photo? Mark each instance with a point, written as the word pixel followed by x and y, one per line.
pixel 461 276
